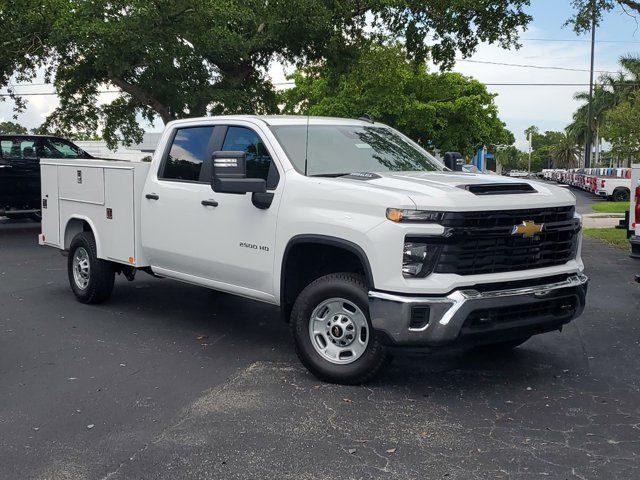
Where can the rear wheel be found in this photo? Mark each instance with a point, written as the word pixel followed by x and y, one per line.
pixel 36 216
pixel 332 330
pixel 90 277
pixel 621 195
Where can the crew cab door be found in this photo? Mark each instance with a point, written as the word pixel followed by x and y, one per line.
pixel 194 234
pixel 20 173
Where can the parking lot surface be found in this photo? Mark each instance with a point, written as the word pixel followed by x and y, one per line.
pixel 171 381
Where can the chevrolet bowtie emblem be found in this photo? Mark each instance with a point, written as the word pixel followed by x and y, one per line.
pixel 527 229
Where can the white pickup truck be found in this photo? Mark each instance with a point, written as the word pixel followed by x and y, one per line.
pixel 613 188
pixel 365 240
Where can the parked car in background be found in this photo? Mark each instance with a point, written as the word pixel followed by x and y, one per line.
pixel 20 170
pixel 518 174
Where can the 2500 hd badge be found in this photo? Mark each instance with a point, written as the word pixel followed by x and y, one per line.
pixel 253 246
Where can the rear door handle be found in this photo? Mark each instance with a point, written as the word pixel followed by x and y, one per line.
pixel 209 203
pixel 152 196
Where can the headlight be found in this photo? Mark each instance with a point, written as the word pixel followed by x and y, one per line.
pixel 418 259
pixel 419 216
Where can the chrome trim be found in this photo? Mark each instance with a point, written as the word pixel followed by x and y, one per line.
pixel 572 281
pixel 391 312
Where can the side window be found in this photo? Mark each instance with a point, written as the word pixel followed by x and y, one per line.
pixel 6 148
pixel 190 147
pixel 259 163
pixel 58 148
pixel 19 149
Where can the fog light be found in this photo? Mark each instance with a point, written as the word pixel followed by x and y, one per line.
pixel 418 259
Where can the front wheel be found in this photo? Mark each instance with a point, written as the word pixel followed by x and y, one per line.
pixel 332 330
pixel 90 277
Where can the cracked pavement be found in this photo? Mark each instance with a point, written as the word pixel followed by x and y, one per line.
pixel 182 382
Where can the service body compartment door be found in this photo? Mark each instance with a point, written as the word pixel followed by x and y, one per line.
pixel 81 184
pixel 50 207
pixel 118 216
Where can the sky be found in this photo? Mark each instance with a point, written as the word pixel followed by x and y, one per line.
pixel 545 43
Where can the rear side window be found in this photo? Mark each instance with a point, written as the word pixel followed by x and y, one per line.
pixel 243 139
pixel 190 147
pixel 19 149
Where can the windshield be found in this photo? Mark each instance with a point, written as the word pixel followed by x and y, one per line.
pixel 343 149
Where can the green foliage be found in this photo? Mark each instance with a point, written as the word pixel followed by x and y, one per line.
pixel 446 110
pixel 545 149
pixel 12 127
pixel 184 58
pixel 564 151
pixel 511 158
pixel 610 207
pixel 586 9
pixel 613 236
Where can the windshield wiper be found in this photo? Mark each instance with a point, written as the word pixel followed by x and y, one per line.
pixel 330 175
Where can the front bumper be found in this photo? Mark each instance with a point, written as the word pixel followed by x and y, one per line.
pixel 478 315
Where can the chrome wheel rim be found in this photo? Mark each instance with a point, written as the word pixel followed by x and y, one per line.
pixel 81 268
pixel 339 331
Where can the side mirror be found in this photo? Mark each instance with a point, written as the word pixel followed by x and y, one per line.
pixel 453 161
pixel 230 174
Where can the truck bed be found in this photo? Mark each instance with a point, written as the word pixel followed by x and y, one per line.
pixel 103 193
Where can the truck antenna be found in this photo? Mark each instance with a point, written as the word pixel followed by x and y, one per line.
pixel 306 145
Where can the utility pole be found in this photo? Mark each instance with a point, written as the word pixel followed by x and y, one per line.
pixel 530 138
pixel 587 150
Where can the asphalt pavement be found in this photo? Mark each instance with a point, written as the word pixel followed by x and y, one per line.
pixel 172 381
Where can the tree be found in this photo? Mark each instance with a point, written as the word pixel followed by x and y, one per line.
pixel 181 58
pixel 623 129
pixel 564 151
pixel 11 127
pixel 445 110
pixel 542 147
pixel 585 9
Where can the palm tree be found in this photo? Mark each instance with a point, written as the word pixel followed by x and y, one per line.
pixel 604 99
pixel 565 153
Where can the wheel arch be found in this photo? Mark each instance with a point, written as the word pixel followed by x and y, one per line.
pixel 78 224
pixel 355 259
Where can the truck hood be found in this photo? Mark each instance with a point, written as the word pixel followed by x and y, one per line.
pixel 450 190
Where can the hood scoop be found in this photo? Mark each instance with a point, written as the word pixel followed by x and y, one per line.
pixel 498 188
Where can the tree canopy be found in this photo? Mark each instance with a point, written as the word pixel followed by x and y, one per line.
pixel 586 9
pixel 181 58
pixel 445 110
pixel 12 127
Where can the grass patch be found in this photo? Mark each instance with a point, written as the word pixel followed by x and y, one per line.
pixel 613 236
pixel 610 207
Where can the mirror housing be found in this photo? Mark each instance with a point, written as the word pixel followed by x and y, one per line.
pixel 229 174
pixel 453 161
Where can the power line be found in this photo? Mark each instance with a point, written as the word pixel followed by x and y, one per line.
pixel 577 40
pixel 525 65
pixel 43 94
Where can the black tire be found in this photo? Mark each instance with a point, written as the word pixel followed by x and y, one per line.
pixel 101 275
pixel 15 216
pixel 501 346
pixel 621 195
pixel 352 288
pixel 36 216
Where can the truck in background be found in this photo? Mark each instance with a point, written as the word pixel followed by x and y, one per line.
pixel 20 171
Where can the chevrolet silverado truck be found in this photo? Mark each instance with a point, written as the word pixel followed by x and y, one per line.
pixel 366 242
pixel 20 171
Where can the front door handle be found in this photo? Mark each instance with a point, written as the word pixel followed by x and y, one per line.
pixel 152 196
pixel 209 203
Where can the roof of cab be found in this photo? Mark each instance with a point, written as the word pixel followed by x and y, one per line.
pixel 284 120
